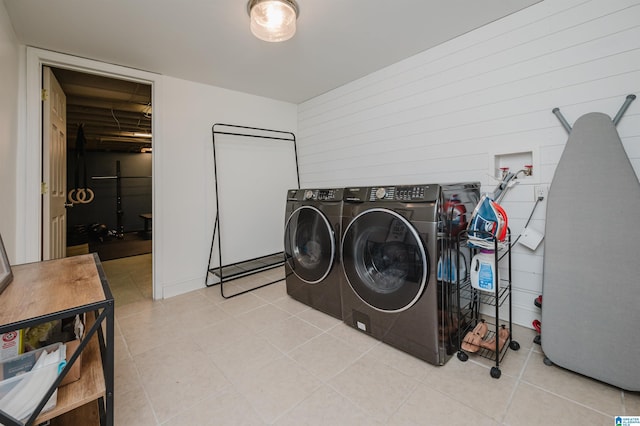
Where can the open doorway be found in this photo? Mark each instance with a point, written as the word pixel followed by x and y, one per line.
pixel 29 165
pixel 109 174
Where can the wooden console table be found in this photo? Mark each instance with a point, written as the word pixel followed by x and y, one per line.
pixel 62 288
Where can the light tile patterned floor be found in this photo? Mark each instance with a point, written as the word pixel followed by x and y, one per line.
pixel 264 359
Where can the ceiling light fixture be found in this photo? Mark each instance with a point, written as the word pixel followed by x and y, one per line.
pixel 273 20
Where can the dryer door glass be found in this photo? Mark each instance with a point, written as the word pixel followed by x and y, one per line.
pixel 309 244
pixel 384 260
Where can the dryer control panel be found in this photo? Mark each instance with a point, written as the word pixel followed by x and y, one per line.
pixel 333 194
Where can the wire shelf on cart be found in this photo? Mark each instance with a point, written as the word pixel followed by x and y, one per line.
pixel 491 354
pixel 486 298
pixel 496 299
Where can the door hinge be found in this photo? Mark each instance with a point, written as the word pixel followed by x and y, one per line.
pixel 43 188
pixel 44 94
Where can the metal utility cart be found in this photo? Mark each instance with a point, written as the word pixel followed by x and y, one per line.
pixel 56 289
pixel 471 299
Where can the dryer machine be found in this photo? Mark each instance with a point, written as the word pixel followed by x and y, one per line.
pixel 312 229
pixel 392 240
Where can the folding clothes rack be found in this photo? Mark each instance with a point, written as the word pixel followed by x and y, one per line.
pixel 251 266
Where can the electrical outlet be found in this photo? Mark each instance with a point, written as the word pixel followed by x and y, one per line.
pixel 540 191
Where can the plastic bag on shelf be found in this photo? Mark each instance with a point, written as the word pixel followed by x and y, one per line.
pixel 26 382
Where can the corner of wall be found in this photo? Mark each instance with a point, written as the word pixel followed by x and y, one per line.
pixel 10 67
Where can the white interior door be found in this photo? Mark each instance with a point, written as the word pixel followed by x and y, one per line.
pixel 54 168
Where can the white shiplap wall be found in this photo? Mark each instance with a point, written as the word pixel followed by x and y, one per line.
pixel 444 114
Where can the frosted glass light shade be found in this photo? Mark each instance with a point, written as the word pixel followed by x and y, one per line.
pixel 273 20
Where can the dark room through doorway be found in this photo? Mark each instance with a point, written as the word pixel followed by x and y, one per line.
pixel 108 165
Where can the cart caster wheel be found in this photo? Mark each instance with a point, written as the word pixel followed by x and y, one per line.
pixel 495 372
pixel 537 339
pixel 463 356
pixel 514 345
pixel 547 361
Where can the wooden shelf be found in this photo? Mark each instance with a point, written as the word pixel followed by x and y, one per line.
pixel 88 388
pixel 56 289
pixel 85 415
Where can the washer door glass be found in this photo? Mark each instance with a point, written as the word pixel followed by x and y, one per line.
pixel 384 260
pixel 309 244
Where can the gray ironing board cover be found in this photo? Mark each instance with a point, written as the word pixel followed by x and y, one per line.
pixel 591 274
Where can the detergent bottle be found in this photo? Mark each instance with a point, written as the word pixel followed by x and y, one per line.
pixel 448 270
pixel 483 271
pixel 443 270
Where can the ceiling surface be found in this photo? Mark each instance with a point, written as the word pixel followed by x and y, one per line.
pixel 115 114
pixel 209 41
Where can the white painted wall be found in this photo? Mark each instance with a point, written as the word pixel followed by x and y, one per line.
pixel 183 188
pixel 444 114
pixel 184 170
pixel 9 69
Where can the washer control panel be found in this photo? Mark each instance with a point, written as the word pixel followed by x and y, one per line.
pixel 409 193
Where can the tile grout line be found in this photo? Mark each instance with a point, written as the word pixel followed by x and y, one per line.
pixel 135 366
pixel 361 356
pixel 282 352
pixel 144 388
pixel 517 384
pixel 566 398
pixel 406 398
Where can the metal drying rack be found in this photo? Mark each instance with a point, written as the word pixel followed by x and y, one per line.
pixel 251 266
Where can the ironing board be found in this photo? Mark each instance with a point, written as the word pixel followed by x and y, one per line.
pixel 591 277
